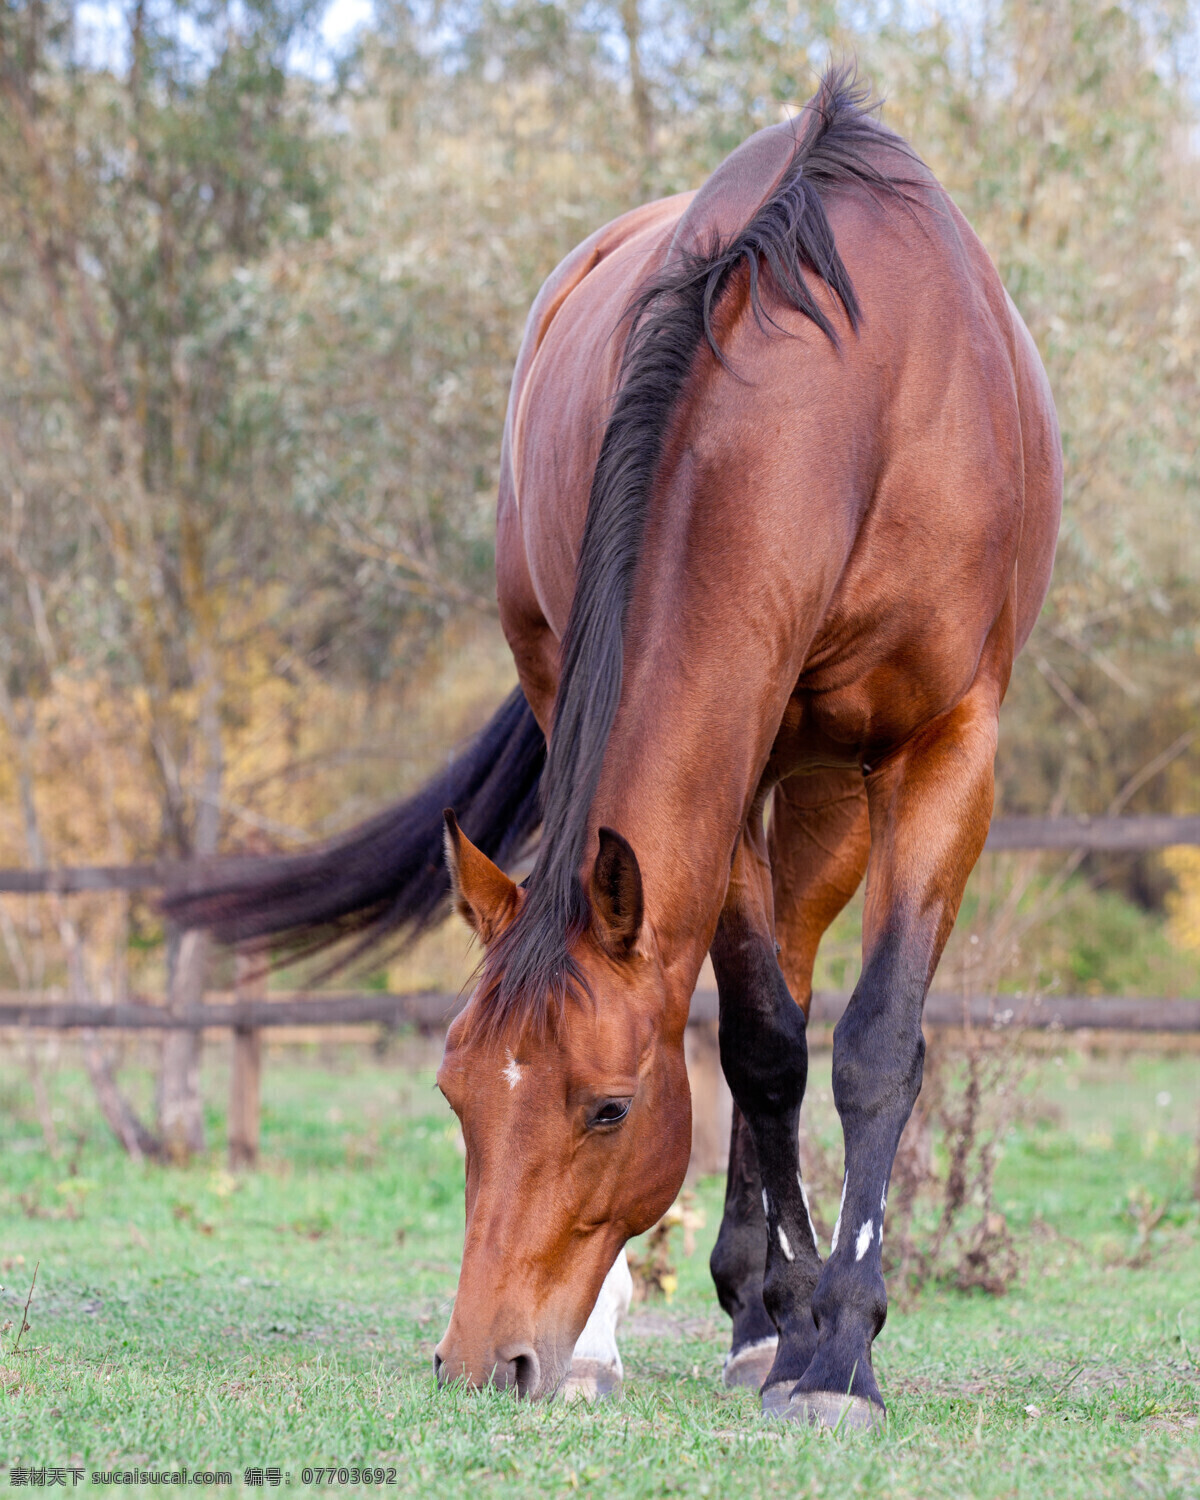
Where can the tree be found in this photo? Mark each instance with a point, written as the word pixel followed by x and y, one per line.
pixel 139 195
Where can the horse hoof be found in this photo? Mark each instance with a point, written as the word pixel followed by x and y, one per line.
pixel 826 1409
pixel 776 1397
pixel 591 1380
pixel 749 1366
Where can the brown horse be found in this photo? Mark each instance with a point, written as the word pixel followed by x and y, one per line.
pixel 780 488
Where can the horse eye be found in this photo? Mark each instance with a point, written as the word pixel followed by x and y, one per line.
pixel 611 1112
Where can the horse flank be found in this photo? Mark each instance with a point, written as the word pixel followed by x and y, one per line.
pixel 529 971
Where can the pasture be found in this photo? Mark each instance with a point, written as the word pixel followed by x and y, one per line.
pixel 287 1318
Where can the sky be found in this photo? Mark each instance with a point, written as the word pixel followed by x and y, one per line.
pixel 342 17
pixel 102 33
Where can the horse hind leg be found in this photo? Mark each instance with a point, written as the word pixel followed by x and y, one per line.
pixel 596 1371
pixel 929 809
pixel 818 848
pixel 737 1264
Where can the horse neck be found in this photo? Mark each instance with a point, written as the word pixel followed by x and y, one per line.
pixel 700 708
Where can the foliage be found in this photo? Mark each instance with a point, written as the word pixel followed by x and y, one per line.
pixel 258 327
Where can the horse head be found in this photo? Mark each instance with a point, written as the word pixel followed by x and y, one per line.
pixel 577 1132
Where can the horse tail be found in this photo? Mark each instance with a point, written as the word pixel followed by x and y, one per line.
pixel 386 877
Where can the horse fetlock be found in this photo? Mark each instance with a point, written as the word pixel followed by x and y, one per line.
pixel 596 1371
pixel 841 1367
pixel 793 1355
pixel 850 1300
pixel 736 1264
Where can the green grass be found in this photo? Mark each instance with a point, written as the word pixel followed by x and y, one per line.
pixel 288 1318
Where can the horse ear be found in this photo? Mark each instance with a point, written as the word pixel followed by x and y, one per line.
pixel 484 896
pixel 617 892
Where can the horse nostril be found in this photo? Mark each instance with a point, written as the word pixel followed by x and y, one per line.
pixel 525 1373
pixel 439 1364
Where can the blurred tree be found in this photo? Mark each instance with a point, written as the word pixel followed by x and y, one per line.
pixel 139 193
pixel 257 335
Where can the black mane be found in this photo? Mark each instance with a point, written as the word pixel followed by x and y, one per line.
pixel 529 969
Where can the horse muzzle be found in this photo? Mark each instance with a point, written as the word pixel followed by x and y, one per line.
pixel 511 1366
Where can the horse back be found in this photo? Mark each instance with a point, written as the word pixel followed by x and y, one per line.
pixel 878 508
pixel 876 518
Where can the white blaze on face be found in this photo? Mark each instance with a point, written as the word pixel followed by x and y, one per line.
pixel 512 1071
pixel 784 1245
pixel 862 1244
pixel 598 1340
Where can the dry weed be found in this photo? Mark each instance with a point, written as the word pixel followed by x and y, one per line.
pixel 655 1273
pixel 970 1096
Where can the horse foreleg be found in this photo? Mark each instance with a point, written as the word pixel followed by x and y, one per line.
pixel 818 842
pixel 596 1368
pixel 929 808
pixel 765 1058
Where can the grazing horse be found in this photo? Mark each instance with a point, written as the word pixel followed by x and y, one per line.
pixel 780 486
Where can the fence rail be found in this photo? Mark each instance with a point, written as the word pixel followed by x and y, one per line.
pixel 433 1011
pixel 1130 834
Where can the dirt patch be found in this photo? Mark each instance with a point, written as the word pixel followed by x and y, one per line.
pixel 657 1323
pixel 922 1385
pixel 1175 1426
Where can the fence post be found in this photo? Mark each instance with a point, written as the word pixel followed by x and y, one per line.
pixel 250 983
pixel 180 1111
pixel 712 1105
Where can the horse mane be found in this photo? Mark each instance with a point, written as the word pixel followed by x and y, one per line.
pixel 529 972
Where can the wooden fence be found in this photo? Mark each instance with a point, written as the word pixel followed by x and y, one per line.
pixel 247 1016
pixel 248 1011
pixel 432 1011
pixel 1123 834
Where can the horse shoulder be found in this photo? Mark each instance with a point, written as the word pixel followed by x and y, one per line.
pixel 528 591
pixel 737 189
pixel 572 271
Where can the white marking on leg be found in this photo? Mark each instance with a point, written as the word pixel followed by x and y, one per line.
pixel 766 1204
pixel 837 1228
pixel 598 1340
pixel 512 1071
pixel 865 1235
pixel 808 1212
pixel 783 1244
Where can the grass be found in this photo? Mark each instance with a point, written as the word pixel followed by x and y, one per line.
pixel 287 1317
